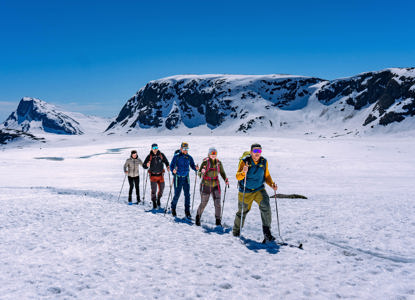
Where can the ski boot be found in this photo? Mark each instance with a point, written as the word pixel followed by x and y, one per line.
pixel 267 235
pixel 197 220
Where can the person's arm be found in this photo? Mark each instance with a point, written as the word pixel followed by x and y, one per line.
pixel 222 173
pixel 268 178
pixel 173 163
pixel 202 166
pixel 126 166
pixel 165 161
pixel 146 161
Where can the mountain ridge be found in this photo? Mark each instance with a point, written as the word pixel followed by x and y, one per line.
pixel 267 101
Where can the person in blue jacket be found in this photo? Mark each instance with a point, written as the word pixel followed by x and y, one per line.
pixel 179 166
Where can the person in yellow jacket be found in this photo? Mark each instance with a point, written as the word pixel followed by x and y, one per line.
pixel 254 168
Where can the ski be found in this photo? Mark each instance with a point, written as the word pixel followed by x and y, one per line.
pixel 299 246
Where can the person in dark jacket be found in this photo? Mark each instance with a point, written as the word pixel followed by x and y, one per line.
pixel 131 168
pixel 155 162
pixel 180 168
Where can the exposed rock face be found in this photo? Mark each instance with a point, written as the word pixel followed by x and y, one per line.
pixel 34 114
pixel 210 100
pixel 392 91
pixel 9 135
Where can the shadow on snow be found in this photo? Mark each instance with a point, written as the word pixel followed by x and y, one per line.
pixel 217 229
pixel 255 246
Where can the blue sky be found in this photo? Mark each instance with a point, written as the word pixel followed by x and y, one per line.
pixel 91 56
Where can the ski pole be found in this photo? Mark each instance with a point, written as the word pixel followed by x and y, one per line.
pixel 194 189
pixel 278 219
pixel 242 212
pixel 223 202
pixel 122 187
pixel 145 187
pixel 168 198
pixel 144 174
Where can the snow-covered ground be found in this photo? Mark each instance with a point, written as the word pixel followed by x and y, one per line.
pixel 64 234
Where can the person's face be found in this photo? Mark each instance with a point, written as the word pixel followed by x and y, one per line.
pixel 256 153
pixel 155 149
pixel 212 155
pixel 134 155
pixel 185 150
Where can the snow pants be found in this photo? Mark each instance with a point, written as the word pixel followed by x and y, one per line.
pixel 181 182
pixel 134 181
pixel 204 199
pixel 262 199
pixel 157 181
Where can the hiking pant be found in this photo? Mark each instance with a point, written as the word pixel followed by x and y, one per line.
pixel 134 181
pixel 157 181
pixel 179 183
pixel 205 193
pixel 261 197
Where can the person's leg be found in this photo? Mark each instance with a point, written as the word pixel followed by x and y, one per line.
pixel 216 201
pixel 266 215
pixel 137 187
pixel 186 190
pixel 130 191
pixel 153 193
pixel 246 205
pixel 161 185
pixel 178 184
pixel 204 199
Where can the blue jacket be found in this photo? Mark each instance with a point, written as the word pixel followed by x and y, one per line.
pixel 182 162
pixel 255 177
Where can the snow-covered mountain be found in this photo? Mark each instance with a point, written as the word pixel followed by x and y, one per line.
pixel 37 116
pixel 239 103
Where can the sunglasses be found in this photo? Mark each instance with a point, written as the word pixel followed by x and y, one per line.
pixel 213 153
pixel 256 151
pixel 185 149
pixel 154 148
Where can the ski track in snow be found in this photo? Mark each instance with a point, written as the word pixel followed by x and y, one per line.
pixel 71 238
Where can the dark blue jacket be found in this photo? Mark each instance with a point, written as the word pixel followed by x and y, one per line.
pixel 182 162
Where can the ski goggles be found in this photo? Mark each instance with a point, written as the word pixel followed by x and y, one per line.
pixel 257 150
pixel 213 152
pixel 155 147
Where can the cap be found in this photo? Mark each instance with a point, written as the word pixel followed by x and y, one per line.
pixel 255 146
pixel 133 152
pixel 184 146
pixel 212 149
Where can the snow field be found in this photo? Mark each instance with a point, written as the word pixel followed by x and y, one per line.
pixel 65 235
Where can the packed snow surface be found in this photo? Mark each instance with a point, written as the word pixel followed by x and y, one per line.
pixel 64 234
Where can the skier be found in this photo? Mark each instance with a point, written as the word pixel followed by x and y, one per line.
pixel 210 169
pixel 154 162
pixel 252 173
pixel 131 169
pixel 180 169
